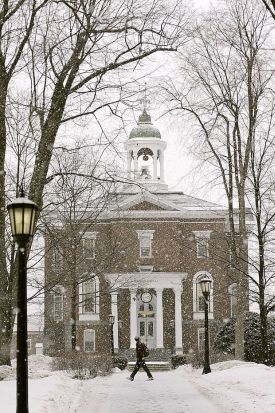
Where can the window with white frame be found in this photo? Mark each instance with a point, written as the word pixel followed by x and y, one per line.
pixel 58 303
pixel 89 299
pixel 89 245
pixel 145 243
pixel 87 296
pixel 89 341
pixel 202 240
pixel 198 298
pixel 57 258
pixel 232 289
pixel 201 339
pixel 202 248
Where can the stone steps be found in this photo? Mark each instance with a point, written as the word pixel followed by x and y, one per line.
pixel 155 355
pixel 152 365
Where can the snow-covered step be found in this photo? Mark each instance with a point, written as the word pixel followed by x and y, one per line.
pixel 153 365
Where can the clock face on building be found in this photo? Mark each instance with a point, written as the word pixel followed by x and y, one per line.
pixel 146 297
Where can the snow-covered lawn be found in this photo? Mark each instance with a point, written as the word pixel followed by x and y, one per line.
pixel 231 387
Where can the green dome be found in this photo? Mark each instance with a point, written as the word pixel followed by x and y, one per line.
pixel 145 128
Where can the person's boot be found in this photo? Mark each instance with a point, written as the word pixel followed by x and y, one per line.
pixel 130 378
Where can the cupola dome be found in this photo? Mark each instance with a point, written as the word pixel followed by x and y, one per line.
pixel 145 128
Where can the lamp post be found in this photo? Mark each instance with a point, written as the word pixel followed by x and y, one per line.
pixel 112 322
pixel 205 285
pixel 22 213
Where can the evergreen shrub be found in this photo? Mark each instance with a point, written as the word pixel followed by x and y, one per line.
pixel 225 339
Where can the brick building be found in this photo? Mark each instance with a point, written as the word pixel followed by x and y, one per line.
pixel 162 244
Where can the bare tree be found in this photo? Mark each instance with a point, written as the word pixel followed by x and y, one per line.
pixel 78 195
pixel 270 6
pixel 72 56
pixel 228 87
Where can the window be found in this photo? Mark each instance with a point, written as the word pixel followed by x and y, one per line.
pixel 232 289
pixel 89 245
pixel 145 246
pixel 89 299
pixel 150 328
pixel 202 248
pixel 57 259
pixel 58 303
pixel 202 239
pixel 198 298
pixel 142 328
pixel 145 243
pixel 88 296
pixel 201 339
pixel 89 341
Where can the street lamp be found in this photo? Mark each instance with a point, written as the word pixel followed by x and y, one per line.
pixel 22 213
pixel 112 322
pixel 205 285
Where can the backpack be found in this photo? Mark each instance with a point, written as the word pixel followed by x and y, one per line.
pixel 145 351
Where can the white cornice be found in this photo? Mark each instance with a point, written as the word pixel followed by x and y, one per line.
pixel 164 214
pixel 135 280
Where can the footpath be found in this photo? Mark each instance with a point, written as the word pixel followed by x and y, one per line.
pixel 167 393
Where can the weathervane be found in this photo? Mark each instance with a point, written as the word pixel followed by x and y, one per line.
pixel 145 100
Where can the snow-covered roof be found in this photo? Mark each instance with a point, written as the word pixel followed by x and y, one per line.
pixel 165 202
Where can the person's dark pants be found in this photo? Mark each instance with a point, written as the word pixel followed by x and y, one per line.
pixel 139 364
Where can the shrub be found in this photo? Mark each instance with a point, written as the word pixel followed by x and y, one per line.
pixel 225 339
pixel 82 365
pixel 120 362
pixel 177 360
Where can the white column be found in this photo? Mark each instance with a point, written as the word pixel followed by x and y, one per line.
pixel 159 319
pixel 161 166
pixel 178 320
pixel 135 164
pixel 155 165
pixel 129 159
pixel 115 313
pixel 133 317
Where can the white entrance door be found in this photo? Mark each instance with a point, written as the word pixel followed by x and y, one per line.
pixel 147 331
pixel 147 322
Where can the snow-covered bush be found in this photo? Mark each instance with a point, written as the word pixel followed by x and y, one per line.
pixel 177 360
pixel 6 372
pixel 120 362
pixel 81 365
pixel 225 339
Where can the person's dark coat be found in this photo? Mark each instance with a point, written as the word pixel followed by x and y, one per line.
pixel 140 349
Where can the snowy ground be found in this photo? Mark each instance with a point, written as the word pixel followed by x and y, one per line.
pixel 231 387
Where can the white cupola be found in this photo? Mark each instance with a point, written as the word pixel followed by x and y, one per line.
pixel 145 155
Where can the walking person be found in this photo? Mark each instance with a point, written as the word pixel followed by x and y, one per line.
pixel 141 352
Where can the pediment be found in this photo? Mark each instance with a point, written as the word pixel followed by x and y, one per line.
pixel 146 206
pixel 147 202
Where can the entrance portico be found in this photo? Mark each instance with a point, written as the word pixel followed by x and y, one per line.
pixel 146 316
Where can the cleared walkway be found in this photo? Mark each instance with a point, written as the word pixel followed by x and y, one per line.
pixel 168 393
